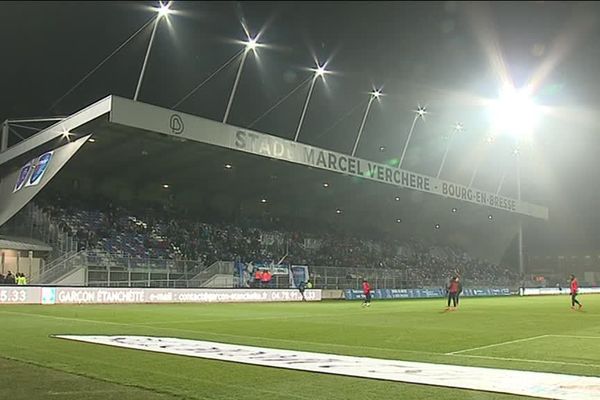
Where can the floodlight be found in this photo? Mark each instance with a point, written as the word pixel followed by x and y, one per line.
pixel 251 44
pixel 164 10
pixel 515 113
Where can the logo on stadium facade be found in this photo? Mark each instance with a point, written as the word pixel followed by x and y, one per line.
pixel 176 124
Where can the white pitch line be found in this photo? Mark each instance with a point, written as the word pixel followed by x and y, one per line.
pixel 576 336
pixel 496 345
pixel 527 360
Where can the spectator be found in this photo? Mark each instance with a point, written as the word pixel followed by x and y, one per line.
pixel 9 279
pixel 266 278
pixel 258 277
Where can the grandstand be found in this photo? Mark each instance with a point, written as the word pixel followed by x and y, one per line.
pixel 126 192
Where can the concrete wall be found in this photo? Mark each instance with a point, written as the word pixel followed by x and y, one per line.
pixel 20 261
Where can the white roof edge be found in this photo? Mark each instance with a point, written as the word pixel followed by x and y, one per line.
pixel 71 122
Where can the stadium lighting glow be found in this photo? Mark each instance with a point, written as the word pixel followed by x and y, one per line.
pixel 515 113
pixel 251 44
pixel 164 10
pixel 421 111
pixel 374 95
pixel 320 71
pixel 66 134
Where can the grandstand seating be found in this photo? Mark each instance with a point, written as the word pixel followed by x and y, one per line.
pixel 134 236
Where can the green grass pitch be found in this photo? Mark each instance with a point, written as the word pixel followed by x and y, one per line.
pixel 36 366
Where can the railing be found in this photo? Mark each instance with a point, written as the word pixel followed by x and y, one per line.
pixel 62 268
pixel 217 268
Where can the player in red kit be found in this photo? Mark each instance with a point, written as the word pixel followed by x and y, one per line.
pixel 453 287
pixel 574 290
pixel 367 292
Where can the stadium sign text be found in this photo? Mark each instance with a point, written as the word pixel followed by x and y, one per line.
pixel 155 119
pixel 90 295
pixel 270 146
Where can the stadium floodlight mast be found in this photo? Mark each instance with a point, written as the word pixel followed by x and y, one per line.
pixel 515 152
pixel 515 113
pixel 251 45
pixel 488 140
pixel 420 113
pixel 376 94
pixel 458 127
pixel 320 72
pixel 163 11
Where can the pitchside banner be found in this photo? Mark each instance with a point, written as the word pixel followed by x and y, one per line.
pixel 72 295
pixel 352 294
pixel 156 119
pixel 555 291
pixel 20 295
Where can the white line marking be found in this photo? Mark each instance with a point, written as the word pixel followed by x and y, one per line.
pixel 496 345
pixel 86 391
pixel 576 337
pixel 526 360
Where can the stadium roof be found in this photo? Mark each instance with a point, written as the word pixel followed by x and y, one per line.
pixel 124 150
pixel 114 115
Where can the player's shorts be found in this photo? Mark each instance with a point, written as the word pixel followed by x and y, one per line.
pixel 368 296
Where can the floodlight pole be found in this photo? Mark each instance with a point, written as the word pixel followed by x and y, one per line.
pixel 235 84
pixel 501 183
pixel 362 124
pixel 308 96
pixel 520 238
pixel 4 137
pixel 141 78
pixel 412 128
pixel 457 128
pixel 474 174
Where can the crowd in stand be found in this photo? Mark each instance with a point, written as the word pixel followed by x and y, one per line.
pixel 18 279
pixel 153 236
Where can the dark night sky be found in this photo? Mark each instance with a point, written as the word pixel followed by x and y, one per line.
pixel 428 52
